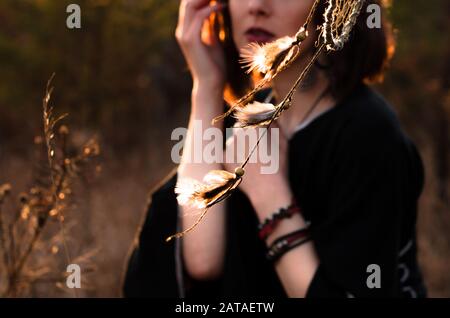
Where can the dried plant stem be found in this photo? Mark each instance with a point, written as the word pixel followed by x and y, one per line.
pixel 15 269
pixel 15 273
pixel 10 289
pixel 3 241
pixel 56 187
pixel 22 232
pixel 12 243
pixel 49 124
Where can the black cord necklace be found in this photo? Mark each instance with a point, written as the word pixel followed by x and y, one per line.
pixel 308 113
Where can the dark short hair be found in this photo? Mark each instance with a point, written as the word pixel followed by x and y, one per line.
pixel 362 60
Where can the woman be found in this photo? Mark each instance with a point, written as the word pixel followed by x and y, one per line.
pixel 347 170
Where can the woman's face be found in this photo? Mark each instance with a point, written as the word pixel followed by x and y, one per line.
pixel 266 20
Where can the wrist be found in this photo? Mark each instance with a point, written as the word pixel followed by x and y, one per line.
pixel 286 226
pixel 207 97
pixel 207 103
pixel 210 87
pixel 266 205
pixel 282 220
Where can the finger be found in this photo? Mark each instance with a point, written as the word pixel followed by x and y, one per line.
pixel 213 36
pixel 187 11
pixel 201 16
pixel 191 32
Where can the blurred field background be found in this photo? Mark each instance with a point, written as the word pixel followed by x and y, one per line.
pixel 121 78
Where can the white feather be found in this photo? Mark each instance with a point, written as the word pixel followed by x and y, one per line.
pixel 255 113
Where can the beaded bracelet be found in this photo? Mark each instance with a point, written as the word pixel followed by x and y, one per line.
pixel 287 242
pixel 268 225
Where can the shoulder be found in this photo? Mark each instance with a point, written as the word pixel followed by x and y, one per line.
pixel 371 135
pixel 370 123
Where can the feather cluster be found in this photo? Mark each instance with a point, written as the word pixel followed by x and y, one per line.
pixel 271 58
pixel 216 186
pixel 254 114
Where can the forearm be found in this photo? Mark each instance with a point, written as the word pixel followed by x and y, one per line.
pixel 297 267
pixel 203 249
pixel 207 103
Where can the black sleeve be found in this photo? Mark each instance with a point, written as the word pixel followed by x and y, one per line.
pixel 151 270
pixel 365 211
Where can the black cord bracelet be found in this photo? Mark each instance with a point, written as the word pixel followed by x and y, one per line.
pixel 287 242
pixel 269 224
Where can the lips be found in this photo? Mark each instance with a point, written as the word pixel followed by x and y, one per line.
pixel 259 35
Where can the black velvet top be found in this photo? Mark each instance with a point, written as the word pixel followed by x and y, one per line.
pixel 357 178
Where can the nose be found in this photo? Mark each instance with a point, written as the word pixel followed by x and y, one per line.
pixel 258 8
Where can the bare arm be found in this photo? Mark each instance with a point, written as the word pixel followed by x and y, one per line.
pixel 203 249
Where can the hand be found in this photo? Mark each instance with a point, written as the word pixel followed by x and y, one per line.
pixel 267 192
pixel 205 57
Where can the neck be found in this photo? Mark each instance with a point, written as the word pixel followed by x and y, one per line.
pixel 307 94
